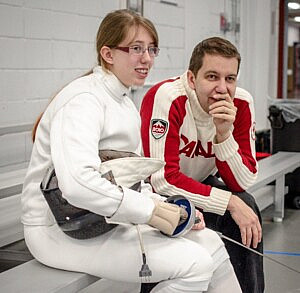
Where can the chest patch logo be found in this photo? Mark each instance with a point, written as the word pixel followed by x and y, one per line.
pixel 159 128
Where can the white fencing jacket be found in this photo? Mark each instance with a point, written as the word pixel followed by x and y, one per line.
pixel 91 113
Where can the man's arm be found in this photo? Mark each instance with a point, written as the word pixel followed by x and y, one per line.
pixel 235 156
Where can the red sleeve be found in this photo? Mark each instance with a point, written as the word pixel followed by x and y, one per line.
pixel 243 134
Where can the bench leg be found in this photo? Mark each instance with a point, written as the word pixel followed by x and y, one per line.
pixel 279 199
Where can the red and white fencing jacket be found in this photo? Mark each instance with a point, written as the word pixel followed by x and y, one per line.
pixel 176 130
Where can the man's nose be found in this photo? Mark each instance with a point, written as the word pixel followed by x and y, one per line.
pixel 221 86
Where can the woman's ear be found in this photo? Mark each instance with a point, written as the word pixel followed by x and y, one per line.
pixel 191 79
pixel 106 54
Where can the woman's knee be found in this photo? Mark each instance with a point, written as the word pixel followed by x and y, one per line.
pixel 207 238
pixel 203 267
pixel 198 263
pixel 202 262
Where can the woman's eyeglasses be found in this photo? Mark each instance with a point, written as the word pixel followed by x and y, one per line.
pixel 139 50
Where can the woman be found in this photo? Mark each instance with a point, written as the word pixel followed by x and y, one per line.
pixel 94 113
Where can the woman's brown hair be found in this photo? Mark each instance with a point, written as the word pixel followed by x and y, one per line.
pixel 112 31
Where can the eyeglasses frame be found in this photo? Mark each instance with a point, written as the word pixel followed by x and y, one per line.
pixel 127 50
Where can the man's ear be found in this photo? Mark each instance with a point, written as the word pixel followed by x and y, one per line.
pixel 106 54
pixel 191 79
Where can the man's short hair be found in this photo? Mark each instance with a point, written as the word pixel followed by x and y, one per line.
pixel 213 46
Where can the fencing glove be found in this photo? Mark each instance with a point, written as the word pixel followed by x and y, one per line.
pixel 166 217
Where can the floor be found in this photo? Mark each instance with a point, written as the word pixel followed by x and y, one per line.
pixel 281 242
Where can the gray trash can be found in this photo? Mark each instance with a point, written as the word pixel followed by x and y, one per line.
pixel 284 116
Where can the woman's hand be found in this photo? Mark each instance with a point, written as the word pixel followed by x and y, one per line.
pixel 201 224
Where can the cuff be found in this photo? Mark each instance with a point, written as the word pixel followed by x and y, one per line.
pixel 226 149
pixel 135 208
pixel 218 201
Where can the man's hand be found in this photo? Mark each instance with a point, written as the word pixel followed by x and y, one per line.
pixel 247 221
pixel 223 112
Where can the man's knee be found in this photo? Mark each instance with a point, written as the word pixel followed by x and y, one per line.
pixel 247 198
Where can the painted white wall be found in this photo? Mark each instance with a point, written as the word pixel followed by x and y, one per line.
pixel 46 43
pixel 259 42
pixel 293 35
pixel 203 21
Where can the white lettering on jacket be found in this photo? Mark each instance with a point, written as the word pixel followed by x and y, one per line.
pixel 193 148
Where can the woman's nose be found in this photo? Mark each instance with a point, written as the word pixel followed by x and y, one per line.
pixel 146 56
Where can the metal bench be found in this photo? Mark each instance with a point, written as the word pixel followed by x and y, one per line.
pixel 34 277
pixel 10 206
pixel 274 168
pixel 30 276
pixel 10 220
pixel 11 182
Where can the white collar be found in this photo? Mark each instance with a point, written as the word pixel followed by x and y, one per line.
pixel 199 114
pixel 112 83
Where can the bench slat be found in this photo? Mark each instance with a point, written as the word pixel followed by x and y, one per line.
pixel 264 196
pixel 34 277
pixel 12 182
pixel 10 220
pixel 274 166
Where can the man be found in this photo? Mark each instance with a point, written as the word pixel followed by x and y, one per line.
pixel 201 124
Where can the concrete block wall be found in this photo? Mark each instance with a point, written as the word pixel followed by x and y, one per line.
pixel 46 43
pixel 180 28
pixel 170 24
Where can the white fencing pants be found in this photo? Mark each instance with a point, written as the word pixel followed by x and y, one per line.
pixel 185 264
